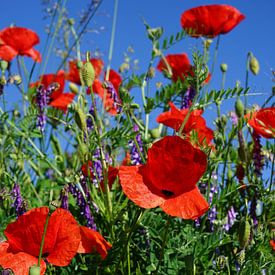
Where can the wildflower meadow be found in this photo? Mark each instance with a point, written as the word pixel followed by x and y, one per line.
pixel 134 169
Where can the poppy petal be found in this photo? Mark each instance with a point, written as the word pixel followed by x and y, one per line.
pixel 189 205
pixel 62 101
pixel 7 53
pixel 64 231
pixel 34 54
pixel 135 189
pixel 92 241
pixel 19 263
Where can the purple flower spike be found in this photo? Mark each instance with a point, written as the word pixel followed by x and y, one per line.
pixel 231 218
pixel 18 203
pixel 113 94
pixel 134 152
pixel 41 101
pixel 257 154
pixel 188 98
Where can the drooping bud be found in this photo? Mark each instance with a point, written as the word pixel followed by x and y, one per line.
pixel 3 65
pixel 239 108
pixel 223 67
pixel 244 233
pixel 80 119
pixel 254 65
pixel 87 72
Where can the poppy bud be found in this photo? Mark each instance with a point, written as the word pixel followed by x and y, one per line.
pixel 223 67
pixel 3 80
pixel 239 108
pixel 71 21
pixel 79 64
pixel 88 74
pixel 244 233
pixel 155 133
pixel 254 65
pixel 73 88
pixel 80 119
pixel 3 65
pixel 34 270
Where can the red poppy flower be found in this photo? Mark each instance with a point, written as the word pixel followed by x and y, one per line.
pixel 58 99
pixel 64 238
pixel 263 122
pixel 18 41
pixel 195 123
pixel 73 74
pixel 180 67
pixel 165 179
pixel 210 20
pixel 110 99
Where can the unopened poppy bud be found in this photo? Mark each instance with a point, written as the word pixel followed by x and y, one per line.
pixel 244 233
pixel 154 33
pixel 3 65
pixel 155 133
pixel 88 74
pixel 224 67
pixel 135 106
pixel 207 43
pixel 239 108
pixel 34 270
pixel 80 119
pixel 254 65
pixel 71 21
pixel 79 64
pixel 73 88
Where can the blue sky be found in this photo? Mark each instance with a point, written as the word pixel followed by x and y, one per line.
pixel 255 33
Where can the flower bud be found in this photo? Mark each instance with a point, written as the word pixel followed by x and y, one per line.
pixel 34 270
pixel 155 133
pixel 244 233
pixel 154 33
pixel 73 88
pixel 53 205
pixel 88 74
pixel 3 65
pixel 79 64
pixel 207 43
pixel 71 21
pixel 3 80
pixel 80 119
pixel 223 67
pixel 239 108
pixel 254 65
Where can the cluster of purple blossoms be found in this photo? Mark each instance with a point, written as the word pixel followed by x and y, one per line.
pixel 234 118
pixel 18 202
pixel 42 100
pixel 83 200
pixel 188 98
pixel 144 233
pixel 252 211
pixel 89 120
pixel 212 214
pixel 231 218
pixel 113 95
pixel 134 151
pixel 258 158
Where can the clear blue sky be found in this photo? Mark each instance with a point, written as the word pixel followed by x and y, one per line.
pixel 256 33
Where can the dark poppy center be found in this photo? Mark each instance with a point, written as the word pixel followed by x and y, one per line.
pixel 167 193
pixel 45 255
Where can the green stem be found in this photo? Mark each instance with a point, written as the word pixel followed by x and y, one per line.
pixel 111 48
pixel 164 240
pixel 78 52
pixel 215 55
pixel 272 170
pixel 43 238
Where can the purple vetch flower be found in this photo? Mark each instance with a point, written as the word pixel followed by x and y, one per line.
pixel 64 198
pixel 188 98
pixel 146 243
pixel 197 222
pixel 252 211
pixel 41 101
pixel 233 118
pixel 134 152
pixel 231 218
pixel 90 118
pixel 113 95
pixel 212 215
pixel 18 202
pixel 258 157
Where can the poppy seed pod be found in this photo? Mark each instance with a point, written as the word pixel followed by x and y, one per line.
pixel 80 119
pixel 239 108
pixel 35 270
pixel 88 74
pixel 244 233
pixel 73 88
pixel 254 65
pixel 223 67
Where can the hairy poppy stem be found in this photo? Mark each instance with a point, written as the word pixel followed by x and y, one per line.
pixel 43 237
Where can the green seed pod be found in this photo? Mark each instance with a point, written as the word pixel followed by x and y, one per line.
pixel 254 65
pixel 34 270
pixel 223 67
pixel 3 65
pixel 244 233
pixel 80 119
pixel 239 108
pixel 155 133
pixel 87 74
pixel 73 88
